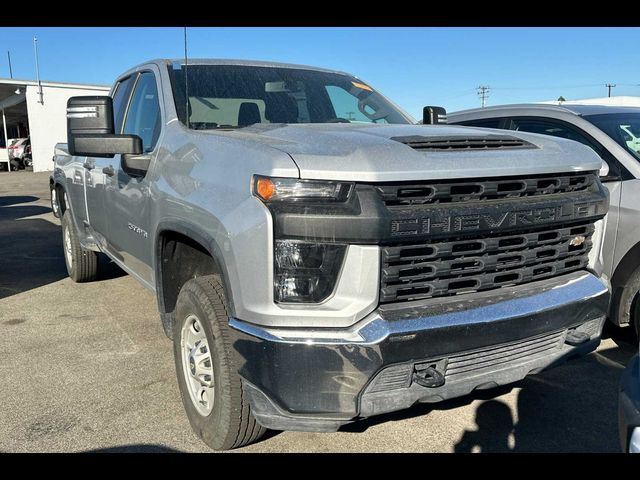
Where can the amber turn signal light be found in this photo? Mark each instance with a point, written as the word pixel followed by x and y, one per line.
pixel 265 188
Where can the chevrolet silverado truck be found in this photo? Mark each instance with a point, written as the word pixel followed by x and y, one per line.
pixel 317 257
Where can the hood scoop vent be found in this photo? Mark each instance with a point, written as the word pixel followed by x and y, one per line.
pixel 458 143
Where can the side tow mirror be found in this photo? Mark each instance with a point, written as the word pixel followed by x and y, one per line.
pixel 90 130
pixel 434 115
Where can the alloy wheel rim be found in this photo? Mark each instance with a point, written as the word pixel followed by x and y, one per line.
pixel 67 248
pixel 197 365
pixel 54 200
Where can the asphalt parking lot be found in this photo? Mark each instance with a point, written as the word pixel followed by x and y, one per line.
pixel 86 367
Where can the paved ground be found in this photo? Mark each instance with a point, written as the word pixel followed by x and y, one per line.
pixel 87 367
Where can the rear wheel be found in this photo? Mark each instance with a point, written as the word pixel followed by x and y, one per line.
pixel 82 264
pixel 207 367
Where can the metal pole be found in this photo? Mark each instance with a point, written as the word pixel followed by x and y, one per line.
pixel 6 140
pixel 35 49
pixel 186 80
pixel 10 70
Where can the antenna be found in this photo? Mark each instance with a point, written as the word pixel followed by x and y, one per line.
pixel 186 79
pixel 10 70
pixel 35 49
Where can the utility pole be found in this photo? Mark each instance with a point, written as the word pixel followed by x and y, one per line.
pixel 610 86
pixel 10 70
pixel 483 93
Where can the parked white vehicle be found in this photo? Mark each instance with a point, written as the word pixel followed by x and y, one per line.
pixel 614 134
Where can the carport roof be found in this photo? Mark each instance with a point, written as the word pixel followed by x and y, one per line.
pixel 16 82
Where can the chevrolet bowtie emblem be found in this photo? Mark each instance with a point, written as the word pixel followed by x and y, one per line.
pixel 577 241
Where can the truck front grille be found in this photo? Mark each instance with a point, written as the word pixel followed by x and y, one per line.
pixel 469 264
pixel 484 189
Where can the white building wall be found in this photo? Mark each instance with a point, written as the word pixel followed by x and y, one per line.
pixel 48 120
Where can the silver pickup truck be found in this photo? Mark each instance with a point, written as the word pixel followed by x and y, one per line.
pixel 318 257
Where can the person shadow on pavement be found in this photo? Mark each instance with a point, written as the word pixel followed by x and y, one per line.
pixel 495 426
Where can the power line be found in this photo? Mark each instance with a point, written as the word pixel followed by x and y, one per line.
pixel 557 87
pixel 483 93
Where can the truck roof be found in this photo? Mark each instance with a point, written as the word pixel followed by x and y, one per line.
pixel 161 62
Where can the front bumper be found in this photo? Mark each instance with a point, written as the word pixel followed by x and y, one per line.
pixel 320 379
pixel 629 407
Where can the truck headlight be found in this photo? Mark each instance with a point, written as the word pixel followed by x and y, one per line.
pixel 306 272
pixel 271 190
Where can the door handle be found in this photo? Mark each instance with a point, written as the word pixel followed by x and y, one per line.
pixel 88 165
pixel 109 171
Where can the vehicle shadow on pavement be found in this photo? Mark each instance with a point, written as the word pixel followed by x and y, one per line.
pixel 16 199
pixel 570 408
pixel 32 253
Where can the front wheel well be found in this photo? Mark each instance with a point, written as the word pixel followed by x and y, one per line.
pixel 625 284
pixel 180 258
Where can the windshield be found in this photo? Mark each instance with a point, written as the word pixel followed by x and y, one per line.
pixel 624 128
pixel 236 96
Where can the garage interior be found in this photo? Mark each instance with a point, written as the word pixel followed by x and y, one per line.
pixel 15 120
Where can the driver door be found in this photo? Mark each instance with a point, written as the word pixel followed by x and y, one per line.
pixel 130 234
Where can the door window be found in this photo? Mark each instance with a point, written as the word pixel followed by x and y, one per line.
pixel 484 123
pixel 143 117
pixel 554 129
pixel 120 99
pixel 562 130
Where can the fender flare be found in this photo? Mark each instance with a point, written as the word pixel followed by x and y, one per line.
pixel 627 266
pixel 197 234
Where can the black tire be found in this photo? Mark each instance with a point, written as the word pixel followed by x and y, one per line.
pixel 626 303
pixel 635 317
pixel 84 263
pixel 230 423
pixel 55 203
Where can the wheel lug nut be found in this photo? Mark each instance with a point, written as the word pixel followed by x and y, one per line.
pixel 207 378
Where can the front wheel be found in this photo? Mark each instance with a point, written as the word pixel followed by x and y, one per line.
pixel 207 367
pixel 635 316
pixel 82 264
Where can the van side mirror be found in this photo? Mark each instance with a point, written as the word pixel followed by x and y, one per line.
pixel 434 115
pixel 604 169
pixel 90 129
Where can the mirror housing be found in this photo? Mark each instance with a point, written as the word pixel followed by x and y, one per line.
pixel 136 165
pixel 432 115
pixel 604 169
pixel 90 129
pixel 104 145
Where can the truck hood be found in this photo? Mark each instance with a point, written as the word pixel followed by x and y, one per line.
pixel 366 152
